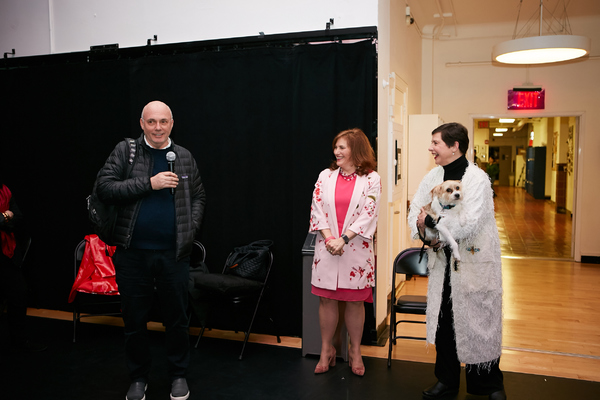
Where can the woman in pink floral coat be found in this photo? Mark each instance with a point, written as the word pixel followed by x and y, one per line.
pixel 344 212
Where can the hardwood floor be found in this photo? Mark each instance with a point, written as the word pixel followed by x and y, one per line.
pixel 530 227
pixel 551 321
pixel 551 304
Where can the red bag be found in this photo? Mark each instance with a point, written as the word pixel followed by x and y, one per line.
pixel 96 272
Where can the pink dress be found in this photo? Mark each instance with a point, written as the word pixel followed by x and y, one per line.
pixel 343 194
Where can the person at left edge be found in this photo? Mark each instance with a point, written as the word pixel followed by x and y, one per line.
pixel 13 286
pixel 154 235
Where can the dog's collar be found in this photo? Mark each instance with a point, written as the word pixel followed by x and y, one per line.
pixel 447 206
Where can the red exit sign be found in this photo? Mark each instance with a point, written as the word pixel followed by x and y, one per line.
pixel 520 99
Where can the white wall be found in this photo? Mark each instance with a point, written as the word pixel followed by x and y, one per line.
pixel 572 88
pixel 480 135
pixel 399 51
pixel 25 27
pixel 35 27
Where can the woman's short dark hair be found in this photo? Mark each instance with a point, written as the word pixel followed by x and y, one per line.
pixel 361 152
pixel 454 132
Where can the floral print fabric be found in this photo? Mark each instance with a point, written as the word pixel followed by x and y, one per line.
pixel 355 269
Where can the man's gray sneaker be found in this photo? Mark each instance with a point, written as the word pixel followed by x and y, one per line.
pixel 179 389
pixel 137 391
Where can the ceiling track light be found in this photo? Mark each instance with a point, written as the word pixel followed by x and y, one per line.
pixel 541 49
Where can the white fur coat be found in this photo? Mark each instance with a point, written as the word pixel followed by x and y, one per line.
pixel 477 284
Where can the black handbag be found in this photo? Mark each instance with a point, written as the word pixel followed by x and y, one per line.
pixel 104 216
pixel 250 261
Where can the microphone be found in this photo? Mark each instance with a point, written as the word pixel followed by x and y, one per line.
pixel 171 161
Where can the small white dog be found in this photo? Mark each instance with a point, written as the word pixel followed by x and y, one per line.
pixel 445 203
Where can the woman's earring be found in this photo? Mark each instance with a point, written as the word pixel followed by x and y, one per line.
pixel 452 153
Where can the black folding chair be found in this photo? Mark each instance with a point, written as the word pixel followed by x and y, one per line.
pixel 237 293
pixel 410 263
pixel 91 301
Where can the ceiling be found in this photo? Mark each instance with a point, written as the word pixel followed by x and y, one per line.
pixel 469 12
pixel 516 130
pixel 476 12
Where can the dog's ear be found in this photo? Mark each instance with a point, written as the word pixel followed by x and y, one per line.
pixel 432 192
pixel 438 190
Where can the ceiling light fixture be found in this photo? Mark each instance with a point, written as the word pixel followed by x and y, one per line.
pixel 506 120
pixel 501 129
pixel 498 134
pixel 541 49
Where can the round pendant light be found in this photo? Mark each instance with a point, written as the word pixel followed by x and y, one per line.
pixel 541 49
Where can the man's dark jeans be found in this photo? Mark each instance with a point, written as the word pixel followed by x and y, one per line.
pixel 140 275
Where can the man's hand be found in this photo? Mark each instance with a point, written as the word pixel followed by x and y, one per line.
pixel 164 180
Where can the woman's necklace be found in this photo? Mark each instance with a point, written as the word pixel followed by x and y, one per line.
pixel 348 177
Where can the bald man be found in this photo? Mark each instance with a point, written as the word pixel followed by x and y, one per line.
pixel 158 218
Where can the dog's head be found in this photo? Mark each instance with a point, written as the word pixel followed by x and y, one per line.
pixel 448 193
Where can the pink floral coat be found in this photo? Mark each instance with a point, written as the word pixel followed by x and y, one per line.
pixel 355 269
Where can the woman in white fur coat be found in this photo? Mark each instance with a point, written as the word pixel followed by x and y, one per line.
pixel 344 212
pixel 464 298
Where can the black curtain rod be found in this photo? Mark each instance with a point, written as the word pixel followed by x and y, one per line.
pixel 113 52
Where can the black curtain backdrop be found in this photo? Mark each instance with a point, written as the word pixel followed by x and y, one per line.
pixel 259 122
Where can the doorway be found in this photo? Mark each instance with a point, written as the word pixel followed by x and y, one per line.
pixel 539 227
pixel 502 156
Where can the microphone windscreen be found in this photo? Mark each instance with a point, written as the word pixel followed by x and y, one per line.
pixel 171 156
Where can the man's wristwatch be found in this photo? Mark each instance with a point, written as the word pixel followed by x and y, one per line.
pixel 346 239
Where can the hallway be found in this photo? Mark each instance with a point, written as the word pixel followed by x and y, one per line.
pixel 530 227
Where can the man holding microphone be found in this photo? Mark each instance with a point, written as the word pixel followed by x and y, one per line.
pixel 161 204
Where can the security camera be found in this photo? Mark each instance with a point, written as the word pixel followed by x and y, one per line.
pixel 409 20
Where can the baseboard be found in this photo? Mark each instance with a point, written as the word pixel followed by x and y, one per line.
pixel 590 259
pixel 375 336
pixel 383 333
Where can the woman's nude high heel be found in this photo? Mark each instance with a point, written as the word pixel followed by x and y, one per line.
pixel 359 371
pixel 321 369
